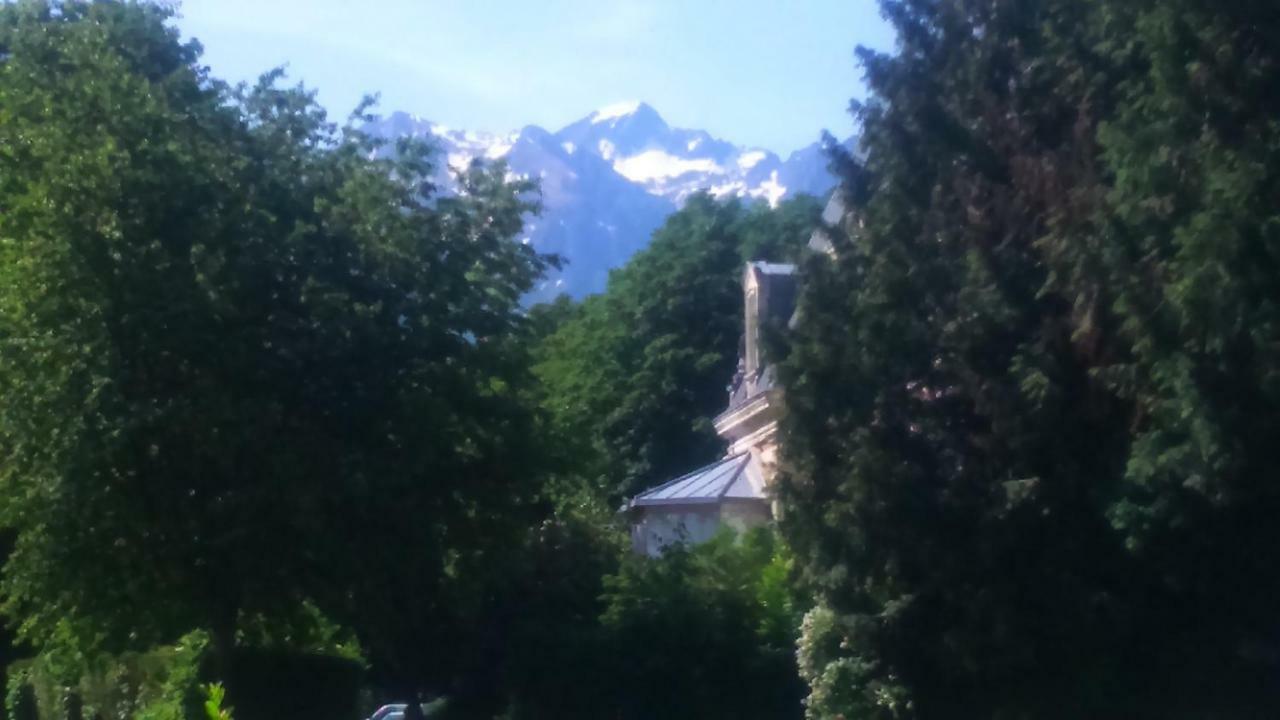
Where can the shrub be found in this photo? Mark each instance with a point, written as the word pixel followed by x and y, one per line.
pixel 704 631
pixel 161 684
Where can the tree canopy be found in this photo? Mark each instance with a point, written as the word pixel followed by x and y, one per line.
pixel 243 364
pixel 1032 401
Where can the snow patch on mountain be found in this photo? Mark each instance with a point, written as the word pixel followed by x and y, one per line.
pixel 614 111
pixel 771 190
pixel 655 165
pixel 498 150
pixel 751 158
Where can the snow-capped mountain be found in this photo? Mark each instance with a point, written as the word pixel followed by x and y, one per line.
pixel 610 179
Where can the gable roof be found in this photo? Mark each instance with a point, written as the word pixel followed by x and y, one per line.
pixel 730 478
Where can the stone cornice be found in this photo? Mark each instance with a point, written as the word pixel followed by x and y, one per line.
pixel 755 438
pixel 733 418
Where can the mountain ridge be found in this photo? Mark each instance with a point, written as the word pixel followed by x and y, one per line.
pixel 610 178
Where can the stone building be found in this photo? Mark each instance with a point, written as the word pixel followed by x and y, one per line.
pixel 733 491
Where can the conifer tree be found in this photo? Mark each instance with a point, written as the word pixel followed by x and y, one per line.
pixel 1032 400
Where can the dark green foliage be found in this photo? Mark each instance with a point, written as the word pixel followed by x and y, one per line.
pixel 703 632
pixel 632 378
pixel 286 684
pixel 1033 407
pixel 166 683
pixel 552 664
pixel 160 684
pixel 24 704
pixel 243 364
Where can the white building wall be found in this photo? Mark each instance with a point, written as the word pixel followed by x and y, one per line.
pixel 662 525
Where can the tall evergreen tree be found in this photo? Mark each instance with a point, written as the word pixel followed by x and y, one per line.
pixel 1032 399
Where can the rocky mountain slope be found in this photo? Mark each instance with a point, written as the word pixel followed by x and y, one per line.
pixel 610 179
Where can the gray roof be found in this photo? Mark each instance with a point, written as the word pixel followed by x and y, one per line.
pixel 771 268
pixel 729 478
pixel 766 378
pixel 778 290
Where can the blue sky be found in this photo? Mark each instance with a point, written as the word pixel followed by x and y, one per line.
pixel 772 73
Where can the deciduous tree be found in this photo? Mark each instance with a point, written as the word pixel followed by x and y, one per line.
pixel 243 364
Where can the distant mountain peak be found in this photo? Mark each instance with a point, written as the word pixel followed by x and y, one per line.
pixel 609 179
pixel 618 110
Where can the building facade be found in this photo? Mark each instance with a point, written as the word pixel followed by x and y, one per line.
pixel 735 490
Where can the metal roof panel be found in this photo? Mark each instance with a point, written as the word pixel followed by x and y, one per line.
pixel 724 478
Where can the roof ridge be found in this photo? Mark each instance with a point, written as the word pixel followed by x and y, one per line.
pixel 746 460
